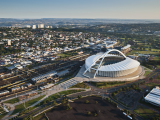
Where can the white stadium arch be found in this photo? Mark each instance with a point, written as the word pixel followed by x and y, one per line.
pixel 120 68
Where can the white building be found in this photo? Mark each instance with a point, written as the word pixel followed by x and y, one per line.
pixel 27 26
pixel 40 25
pixel 9 42
pixel 154 96
pixel 34 27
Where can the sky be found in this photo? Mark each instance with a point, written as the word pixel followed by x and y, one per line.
pixel 110 9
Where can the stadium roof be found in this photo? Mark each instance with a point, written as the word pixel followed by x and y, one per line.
pixel 128 63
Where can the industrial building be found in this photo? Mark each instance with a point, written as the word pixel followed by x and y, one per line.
pixel 153 96
pixel 43 77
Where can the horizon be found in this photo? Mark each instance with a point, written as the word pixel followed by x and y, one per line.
pixel 82 18
pixel 103 9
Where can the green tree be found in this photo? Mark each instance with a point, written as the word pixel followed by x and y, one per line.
pixel 87 101
pixel 79 96
pixel 88 113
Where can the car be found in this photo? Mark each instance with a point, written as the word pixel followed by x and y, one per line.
pixel 124 113
pixel 129 117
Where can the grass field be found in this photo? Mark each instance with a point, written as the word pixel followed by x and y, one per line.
pixel 67 54
pixel 144 112
pixel 67 92
pixel 108 84
pixel 54 96
pixel 158 77
pixel 149 105
pixel 80 85
pixel 136 52
pixel 157 58
pixel 20 107
pixel 151 85
pixel 12 101
pixel 146 73
pixel 1 116
pixel 40 117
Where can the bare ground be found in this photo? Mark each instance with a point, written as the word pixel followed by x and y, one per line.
pixel 104 110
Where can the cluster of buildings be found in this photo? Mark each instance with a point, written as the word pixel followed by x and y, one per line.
pixel 13 89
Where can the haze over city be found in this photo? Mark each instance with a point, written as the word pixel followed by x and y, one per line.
pixel 117 9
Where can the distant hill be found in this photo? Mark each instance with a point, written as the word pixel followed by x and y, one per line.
pixel 64 21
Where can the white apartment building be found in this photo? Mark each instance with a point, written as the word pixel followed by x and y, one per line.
pixel 40 25
pixel 34 27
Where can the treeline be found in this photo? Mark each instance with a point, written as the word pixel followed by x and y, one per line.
pixel 7 51
pixel 133 86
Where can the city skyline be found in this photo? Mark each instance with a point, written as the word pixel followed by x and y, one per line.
pixel 144 9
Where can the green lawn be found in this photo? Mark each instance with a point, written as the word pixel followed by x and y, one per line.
pixel 136 52
pixel 40 117
pixel 80 85
pixel 146 73
pixel 67 92
pixel 108 84
pixel 20 107
pixel 12 101
pixel 54 96
pixel 157 58
pixel 144 112
pixel 30 102
pixel 1 116
pixel 151 85
pixel 67 54
pixel 158 77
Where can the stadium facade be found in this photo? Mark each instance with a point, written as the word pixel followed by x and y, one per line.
pixel 112 63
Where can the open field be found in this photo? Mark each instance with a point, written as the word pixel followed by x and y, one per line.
pixel 146 73
pixel 67 92
pixel 108 84
pixel 21 107
pixel 136 52
pixel 12 101
pixel 144 112
pixel 80 85
pixel 41 117
pixel 79 110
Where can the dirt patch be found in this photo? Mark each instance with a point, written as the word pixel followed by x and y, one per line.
pixel 103 109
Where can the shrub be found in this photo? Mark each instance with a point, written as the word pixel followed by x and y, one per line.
pixel 79 96
pixel 54 103
pixel 88 113
pixel 87 101
pixel 68 107
pixel 95 114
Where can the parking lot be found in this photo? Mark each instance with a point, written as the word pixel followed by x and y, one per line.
pixel 128 97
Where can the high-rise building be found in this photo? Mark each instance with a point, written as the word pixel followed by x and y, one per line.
pixel 40 25
pixel 34 27
pixel 9 42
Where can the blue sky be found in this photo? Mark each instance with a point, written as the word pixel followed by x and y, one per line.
pixel 119 9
